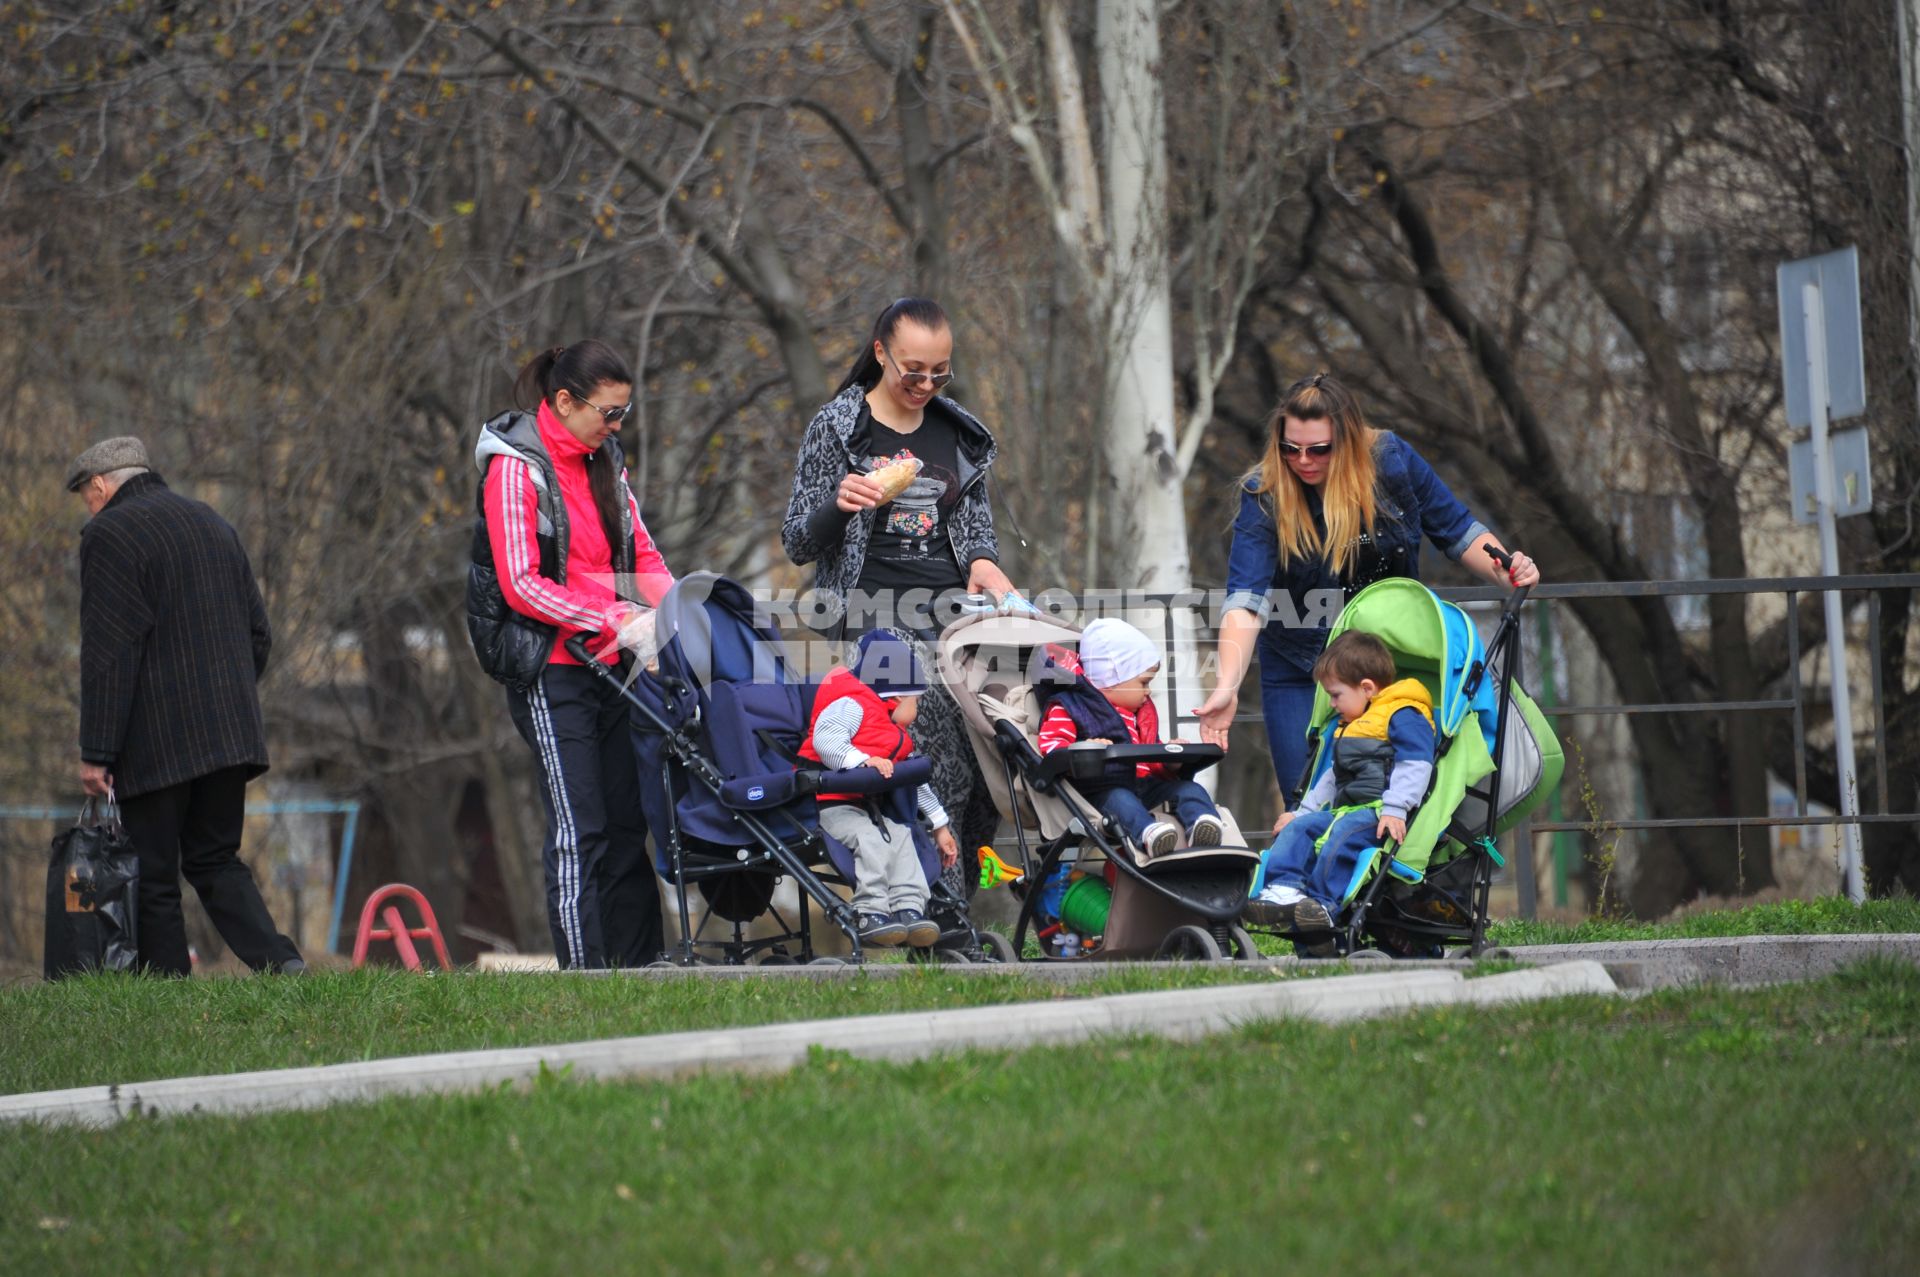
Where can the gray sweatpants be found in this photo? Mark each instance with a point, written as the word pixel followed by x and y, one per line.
pixel 886 868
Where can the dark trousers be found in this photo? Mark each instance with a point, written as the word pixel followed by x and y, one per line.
pixel 193 828
pixel 1131 803
pixel 1286 701
pixel 603 901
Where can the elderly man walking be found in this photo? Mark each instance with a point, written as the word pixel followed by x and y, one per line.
pixel 173 638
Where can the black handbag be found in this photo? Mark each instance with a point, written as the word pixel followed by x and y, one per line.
pixel 93 896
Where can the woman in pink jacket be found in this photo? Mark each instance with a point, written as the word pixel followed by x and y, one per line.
pixel 561 551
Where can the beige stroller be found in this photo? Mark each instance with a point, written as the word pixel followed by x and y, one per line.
pixel 1184 904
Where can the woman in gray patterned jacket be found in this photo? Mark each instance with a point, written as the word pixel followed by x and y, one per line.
pixel 900 562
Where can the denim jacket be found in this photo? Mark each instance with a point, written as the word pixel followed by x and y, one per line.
pixel 1297 601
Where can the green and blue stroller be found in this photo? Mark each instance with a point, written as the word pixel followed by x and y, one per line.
pixel 1496 758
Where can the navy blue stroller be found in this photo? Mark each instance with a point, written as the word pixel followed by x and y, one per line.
pixel 718 722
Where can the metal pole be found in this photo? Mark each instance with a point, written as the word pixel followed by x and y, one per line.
pixel 352 809
pixel 1560 846
pixel 1907 14
pixel 1817 393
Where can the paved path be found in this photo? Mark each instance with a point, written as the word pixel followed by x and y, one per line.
pixel 1178 1014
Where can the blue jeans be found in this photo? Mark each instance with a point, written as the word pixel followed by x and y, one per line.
pixel 1287 703
pixel 1332 874
pixel 1127 804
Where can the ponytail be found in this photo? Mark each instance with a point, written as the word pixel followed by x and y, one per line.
pixel 866 370
pixel 576 369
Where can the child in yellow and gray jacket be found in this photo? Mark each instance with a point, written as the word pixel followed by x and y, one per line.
pixel 1383 755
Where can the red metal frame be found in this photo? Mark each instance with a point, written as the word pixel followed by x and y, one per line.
pixel 396 929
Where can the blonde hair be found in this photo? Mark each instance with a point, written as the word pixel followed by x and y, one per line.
pixel 1347 501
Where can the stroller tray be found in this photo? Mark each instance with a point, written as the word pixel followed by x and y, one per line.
pixel 1090 762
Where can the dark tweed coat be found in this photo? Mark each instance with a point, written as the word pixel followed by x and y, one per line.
pixel 173 638
pixel 814 531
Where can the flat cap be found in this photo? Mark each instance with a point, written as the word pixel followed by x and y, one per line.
pixel 105 457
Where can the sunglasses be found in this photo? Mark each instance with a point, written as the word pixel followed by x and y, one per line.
pixel 613 415
pixel 932 380
pixel 1306 449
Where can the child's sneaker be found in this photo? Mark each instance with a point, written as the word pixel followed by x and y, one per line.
pixel 1158 839
pixel 1273 907
pixel 921 931
pixel 1206 832
pixel 878 928
pixel 1311 915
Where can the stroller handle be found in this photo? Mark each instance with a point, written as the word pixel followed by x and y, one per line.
pixel 1505 560
pixel 577 645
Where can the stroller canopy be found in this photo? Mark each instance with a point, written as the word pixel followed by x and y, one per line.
pixel 1430 639
pixel 724 683
pixel 1437 643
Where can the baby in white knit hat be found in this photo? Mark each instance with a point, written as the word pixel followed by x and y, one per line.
pixel 1110 703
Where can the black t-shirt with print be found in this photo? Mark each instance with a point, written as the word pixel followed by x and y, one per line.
pixel 910 547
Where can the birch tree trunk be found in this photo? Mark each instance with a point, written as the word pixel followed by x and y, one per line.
pixel 1148 538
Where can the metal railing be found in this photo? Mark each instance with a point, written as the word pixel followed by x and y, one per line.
pixel 1791 588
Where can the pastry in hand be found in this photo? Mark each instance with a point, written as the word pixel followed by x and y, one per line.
pixel 895 477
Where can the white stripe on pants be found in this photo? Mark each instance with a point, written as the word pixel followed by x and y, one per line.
pixel 566 833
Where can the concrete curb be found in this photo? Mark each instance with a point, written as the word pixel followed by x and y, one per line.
pixel 1730 960
pixel 1076 972
pixel 1180 1014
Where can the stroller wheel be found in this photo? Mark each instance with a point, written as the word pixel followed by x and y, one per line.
pixel 997 947
pixel 954 957
pixel 828 962
pixel 1364 956
pixel 1244 949
pixel 1189 944
pixel 661 965
pixel 779 960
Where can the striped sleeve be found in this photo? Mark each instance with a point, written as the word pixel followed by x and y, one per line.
pixel 930 808
pixel 1057 729
pixel 651 578
pixel 833 734
pixel 512 523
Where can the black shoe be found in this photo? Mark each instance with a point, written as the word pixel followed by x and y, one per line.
pixel 879 929
pixel 292 966
pixel 1325 946
pixel 920 930
pixel 1267 913
pixel 1311 915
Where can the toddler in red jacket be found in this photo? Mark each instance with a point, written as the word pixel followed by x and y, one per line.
pixel 860 719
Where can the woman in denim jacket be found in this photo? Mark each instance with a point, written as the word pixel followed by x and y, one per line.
pixel 1333 506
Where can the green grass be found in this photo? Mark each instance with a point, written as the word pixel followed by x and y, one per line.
pixel 140 1029
pixel 1825 916
pixel 1704 1131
